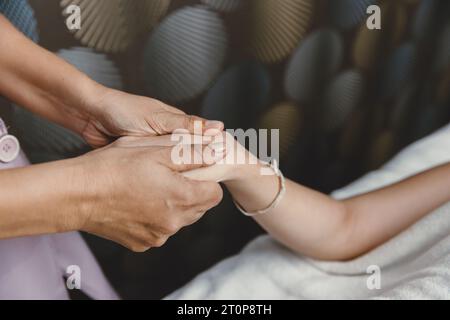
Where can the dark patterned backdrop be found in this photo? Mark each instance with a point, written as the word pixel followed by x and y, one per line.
pixel 344 97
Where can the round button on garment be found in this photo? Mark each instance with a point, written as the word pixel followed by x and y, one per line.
pixel 9 148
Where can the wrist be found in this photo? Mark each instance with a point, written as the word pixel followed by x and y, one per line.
pixel 94 94
pixel 255 191
pixel 245 166
pixel 80 103
pixel 76 194
pixel 73 194
pixel 41 199
pixel 83 191
pixel 241 173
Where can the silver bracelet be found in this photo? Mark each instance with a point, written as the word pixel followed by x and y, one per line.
pixel 274 166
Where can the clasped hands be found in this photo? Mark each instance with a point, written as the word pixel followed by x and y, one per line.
pixel 128 189
pixel 133 191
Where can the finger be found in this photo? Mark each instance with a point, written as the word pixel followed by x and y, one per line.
pixel 149 141
pixel 173 109
pixel 208 194
pixel 212 173
pixel 185 157
pixel 195 198
pixel 193 217
pixel 169 122
pixel 161 141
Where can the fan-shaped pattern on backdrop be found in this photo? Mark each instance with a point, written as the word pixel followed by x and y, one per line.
pixel 346 14
pixel 342 97
pixel 113 25
pixel 239 95
pixel 370 45
pixel 316 60
pixel 398 70
pixel 288 118
pixel 184 54
pixel 224 5
pixel 277 27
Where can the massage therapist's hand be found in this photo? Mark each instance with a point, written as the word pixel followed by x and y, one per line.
pixel 50 87
pixel 136 195
pixel 129 192
pixel 110 113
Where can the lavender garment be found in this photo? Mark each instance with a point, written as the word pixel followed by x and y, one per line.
pixel 34 267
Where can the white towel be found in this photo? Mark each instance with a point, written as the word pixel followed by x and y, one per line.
pixel 413 265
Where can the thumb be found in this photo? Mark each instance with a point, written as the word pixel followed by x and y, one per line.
pixel 170 122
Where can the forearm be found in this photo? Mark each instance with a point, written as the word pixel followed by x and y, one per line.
pixel 306 221
pixel 40 199
pixel 42 82
pixel 316 225
pixel 382 214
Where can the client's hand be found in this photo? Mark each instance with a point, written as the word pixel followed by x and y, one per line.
pixel 135 195
pixel 238 163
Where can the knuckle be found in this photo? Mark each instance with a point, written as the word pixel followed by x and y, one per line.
pixel 188 197
pixel 148 242
pixel 158 122
pixel 170 227
pixel 189 121
pixel 197 216
pixel 139 248
pixel 159 242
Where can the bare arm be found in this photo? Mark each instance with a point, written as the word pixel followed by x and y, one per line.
pixel 42 82
pixel 49 86
pixel 321 227
pixel 40 199
pixel 382 214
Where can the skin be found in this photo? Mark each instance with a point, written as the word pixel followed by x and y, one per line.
pixel 129 192
pixel 134 196
pixel 316 225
